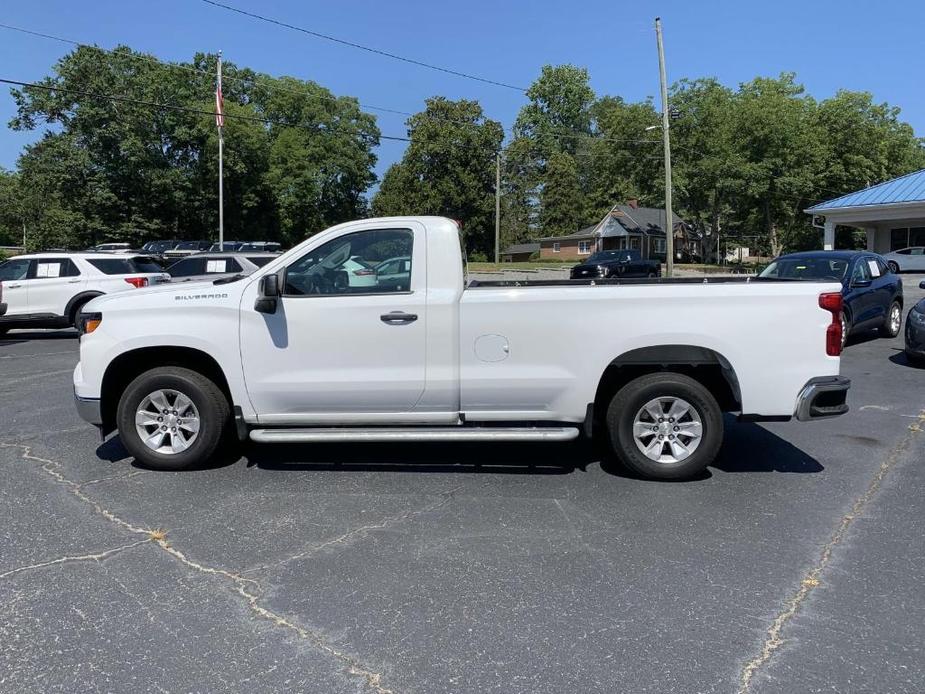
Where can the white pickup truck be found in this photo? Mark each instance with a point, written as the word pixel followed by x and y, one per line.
pixel 369 331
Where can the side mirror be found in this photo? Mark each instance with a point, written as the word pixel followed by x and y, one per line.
pixel 922 284
pixel 268 294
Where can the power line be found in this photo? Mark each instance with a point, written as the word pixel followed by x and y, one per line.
pixel 368 49
pixel 184 109
pixel 258 80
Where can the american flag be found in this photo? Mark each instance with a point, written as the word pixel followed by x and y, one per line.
pixel 219 107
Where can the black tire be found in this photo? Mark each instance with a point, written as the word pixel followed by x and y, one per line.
pixel 886 330
pixel 630 400
pixel 75 311
pixel 894 267
pixel 212 405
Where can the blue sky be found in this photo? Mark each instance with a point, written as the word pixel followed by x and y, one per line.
pixel 829 44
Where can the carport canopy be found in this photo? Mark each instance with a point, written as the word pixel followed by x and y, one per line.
pixel 892 213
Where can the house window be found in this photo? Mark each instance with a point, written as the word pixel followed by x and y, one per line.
pixel 584 247
pixel 556 247
pixel 659 245
pixel 635 242
pixel 917 236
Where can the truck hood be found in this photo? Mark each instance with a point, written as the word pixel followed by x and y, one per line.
pixel 186 293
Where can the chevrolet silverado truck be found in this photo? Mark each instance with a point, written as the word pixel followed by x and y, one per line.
pixel 319 346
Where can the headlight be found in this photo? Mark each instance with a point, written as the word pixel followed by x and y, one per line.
pixel 601 270
pixel 917 318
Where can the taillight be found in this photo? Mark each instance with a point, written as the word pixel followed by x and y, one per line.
pixel 137 282
pixel 833 303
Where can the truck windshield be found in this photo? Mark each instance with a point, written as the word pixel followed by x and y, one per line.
pixel 812 268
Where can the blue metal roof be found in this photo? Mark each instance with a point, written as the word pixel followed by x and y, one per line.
pixel 908 188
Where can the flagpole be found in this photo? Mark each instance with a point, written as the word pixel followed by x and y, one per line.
pixel 221 211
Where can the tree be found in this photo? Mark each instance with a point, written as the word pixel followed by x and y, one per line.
pixel 11 210
pixel 448 169
pixel 557 119
pixel 562 204
pixel 297 158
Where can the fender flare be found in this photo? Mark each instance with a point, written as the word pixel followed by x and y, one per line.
pixel 81 298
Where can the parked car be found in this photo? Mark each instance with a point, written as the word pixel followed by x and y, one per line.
pixel 159 247
pixel 294 353
pixel 915 331
pixel 185 248
pixel 265 246
pixel 111 248
pixel 873 294
pixel 213 266
pixel 617 264
pixel 394 273
pixel 907 259
pixel 47 290
pixel 226 247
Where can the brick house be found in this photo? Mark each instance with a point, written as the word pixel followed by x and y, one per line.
pixel 624 226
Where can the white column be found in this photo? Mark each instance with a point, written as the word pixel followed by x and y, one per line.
pixel 828 236
pixel 871 238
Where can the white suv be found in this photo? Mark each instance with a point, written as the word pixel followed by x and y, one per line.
pixel 47 290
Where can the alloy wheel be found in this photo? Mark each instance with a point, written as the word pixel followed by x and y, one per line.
pixel 667 429
pixel 167 421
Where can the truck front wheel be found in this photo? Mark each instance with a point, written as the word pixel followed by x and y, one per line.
pixel 171 418
pixel 665 426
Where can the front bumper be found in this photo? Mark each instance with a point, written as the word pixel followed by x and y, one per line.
pixel 823 397
pixel 915 337
pixel 89 410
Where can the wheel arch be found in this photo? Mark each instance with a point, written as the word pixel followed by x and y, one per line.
pixel 77 301
pixel 706 366
pixel 130 364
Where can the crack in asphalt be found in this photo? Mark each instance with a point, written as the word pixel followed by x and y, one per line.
pixel 158 537
pixel 361 531
pixel 811 580
pixel 68 559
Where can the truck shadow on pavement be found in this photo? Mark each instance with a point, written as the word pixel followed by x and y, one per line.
pixel 746 448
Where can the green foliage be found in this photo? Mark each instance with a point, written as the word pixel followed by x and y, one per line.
pixel 448 169
pixel 746 162
pixel 130 172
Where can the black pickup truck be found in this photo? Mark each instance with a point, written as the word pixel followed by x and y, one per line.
pixel 624 263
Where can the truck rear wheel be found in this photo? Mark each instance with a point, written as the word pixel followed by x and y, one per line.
pixel 171 418
pixel 665 426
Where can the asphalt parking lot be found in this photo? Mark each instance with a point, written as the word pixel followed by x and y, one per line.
pixel 796 564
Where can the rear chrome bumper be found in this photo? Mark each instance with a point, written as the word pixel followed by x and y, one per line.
pixel 89 410
pixel 823 397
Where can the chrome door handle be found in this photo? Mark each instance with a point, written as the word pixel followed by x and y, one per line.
pixel 13 286
pixel 73 281
pixel 398 318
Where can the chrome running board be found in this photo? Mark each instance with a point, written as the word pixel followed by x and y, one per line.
pixel 329 435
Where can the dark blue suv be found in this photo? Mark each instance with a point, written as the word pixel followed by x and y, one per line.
pixel 873 294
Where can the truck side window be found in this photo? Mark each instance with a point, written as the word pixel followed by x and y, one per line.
pixel 364 262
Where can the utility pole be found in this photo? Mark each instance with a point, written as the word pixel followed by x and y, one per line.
pixel 669 231
pixel 220 121
pixel 497 206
